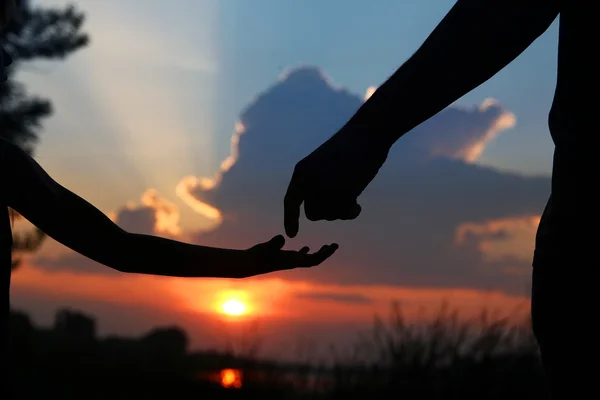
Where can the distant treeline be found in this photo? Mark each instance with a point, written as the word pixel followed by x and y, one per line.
pixel 444 359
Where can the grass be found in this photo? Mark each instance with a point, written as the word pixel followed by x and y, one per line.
pixel 447 357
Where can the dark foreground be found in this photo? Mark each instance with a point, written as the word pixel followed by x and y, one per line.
pixel 444 360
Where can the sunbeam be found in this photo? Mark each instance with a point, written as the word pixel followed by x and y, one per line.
pixel 153 87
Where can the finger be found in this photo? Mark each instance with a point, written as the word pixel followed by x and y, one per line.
pixel 276 243
pixel 352 212
pixel 324 207
pixel 300 259
pixel 318 210
pixel 323 254
pixel 315 210
pixel 304 250
pixel 291 207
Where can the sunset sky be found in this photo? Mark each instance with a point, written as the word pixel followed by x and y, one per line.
pixel 185 118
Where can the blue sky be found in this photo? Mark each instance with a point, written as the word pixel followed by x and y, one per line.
pixel 249 43
pixel 360 43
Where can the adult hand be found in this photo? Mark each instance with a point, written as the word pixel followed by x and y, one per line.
pixel 330 179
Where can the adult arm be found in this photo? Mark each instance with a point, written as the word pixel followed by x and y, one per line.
pixel 474 41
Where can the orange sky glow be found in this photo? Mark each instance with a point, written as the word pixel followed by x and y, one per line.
pixel 232 306
pixel 270 297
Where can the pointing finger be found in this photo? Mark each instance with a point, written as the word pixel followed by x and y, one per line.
pixel 291 207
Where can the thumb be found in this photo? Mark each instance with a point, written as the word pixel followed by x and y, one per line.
pixel 356 210
pixel 352 212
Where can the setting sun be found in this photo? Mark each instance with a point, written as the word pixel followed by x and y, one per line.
pixel 233 307
pixel 231 378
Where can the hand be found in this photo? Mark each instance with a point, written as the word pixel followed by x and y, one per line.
pixel 330 179
pixel 269 257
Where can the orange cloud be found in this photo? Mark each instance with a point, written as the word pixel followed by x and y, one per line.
pixel 154 215
pixel 370 91
pixel 505 121
pixel 501 239
pixel 183 192
pixel 167 215
pixel 193 183
pixel 468 146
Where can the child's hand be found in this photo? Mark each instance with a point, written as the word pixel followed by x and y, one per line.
pixel 269 257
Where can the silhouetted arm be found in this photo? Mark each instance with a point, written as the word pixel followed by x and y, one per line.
pixel 77 224
pixel 475 40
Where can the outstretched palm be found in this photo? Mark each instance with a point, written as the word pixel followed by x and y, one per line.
pixel 269 257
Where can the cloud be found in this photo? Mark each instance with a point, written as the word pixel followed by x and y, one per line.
pixel 430 187
pixel 500 238
pixel 433 218
pixel 355 298
pixel 458 132
pixel 190 185
pixel 370 91
pixel 154 215
pixel 461 133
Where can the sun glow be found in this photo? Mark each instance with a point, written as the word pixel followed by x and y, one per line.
pixel 233 307
pixel 231 378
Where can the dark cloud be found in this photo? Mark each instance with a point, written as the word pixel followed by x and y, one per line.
pixel 428 218
pixel 137 219
pixel 412 212
pixel 72 261
pixel 337 297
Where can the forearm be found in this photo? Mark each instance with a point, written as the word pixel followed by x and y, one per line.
pixel 59 213
pixel 88 231
pixel 160 256
pixel 85 229
pixel 474 41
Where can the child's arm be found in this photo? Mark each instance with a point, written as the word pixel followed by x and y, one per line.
pixel 77 224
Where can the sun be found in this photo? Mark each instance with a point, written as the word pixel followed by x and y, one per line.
pixel 231 378
pixel 233 307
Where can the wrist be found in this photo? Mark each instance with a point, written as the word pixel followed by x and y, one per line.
pixel 368 136
pixel 373 126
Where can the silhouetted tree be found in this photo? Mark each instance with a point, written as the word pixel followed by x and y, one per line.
pixel 35 33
